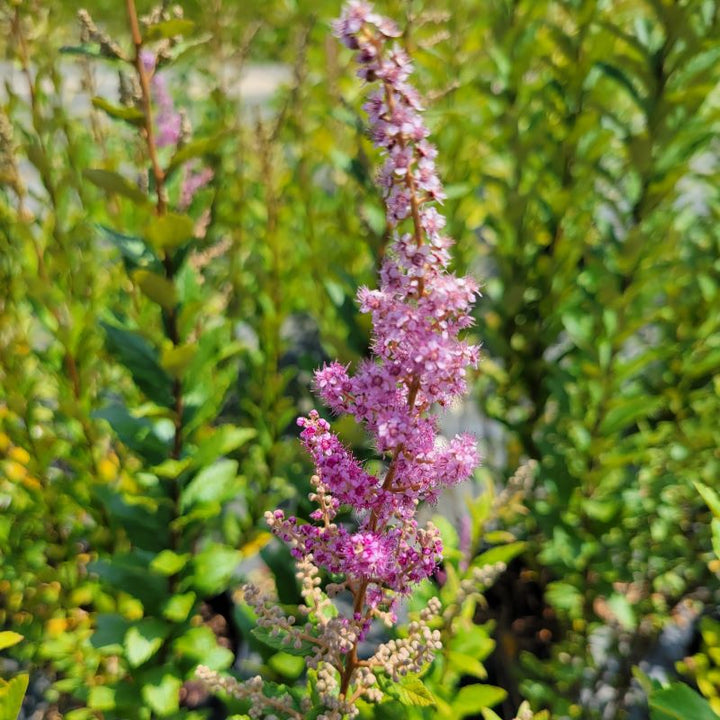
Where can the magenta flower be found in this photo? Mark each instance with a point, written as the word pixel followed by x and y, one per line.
pixel 168 120
pixel 169 131
pixel 418 362
pixel 194 179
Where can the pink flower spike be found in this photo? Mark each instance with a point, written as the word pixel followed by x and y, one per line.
pixel 418 362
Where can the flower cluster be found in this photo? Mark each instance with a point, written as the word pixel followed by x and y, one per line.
pixel 418 363
pixel 327 639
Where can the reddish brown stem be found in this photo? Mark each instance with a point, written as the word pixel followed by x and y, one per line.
pixel 351 659
pixel 157 171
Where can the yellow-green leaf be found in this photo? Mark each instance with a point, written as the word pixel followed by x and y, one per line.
pixel 167 232
pixel 178 607
pixel 176 359
pixel 410 690
pixel 168 562
pixel 129 114
pixel 8 638
pixel 157 288
pixel 11 696
pixel 169 28
pixel 471 699
pixel 114 183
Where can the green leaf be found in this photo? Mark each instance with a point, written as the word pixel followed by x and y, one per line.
pixel 711 498
pixel 448 533
pixel 8 638
pixel 457 190
pixel 502 553
pixel 679 702
pixel 409 690
pixel 143 640
pixel 473 640
pixel 216 483
pixel 169 563
pixel 139 434
pixel 101 698
pixel 620 77
pixel 176 359
pixel 214 567
pixel 119 112
pixel 144 522
pixel 471 699
pixel 92 50
pixel 566 597
pixel 200 645
pixel 162 693
pixel 110 631
pixel 169 231
pixel 278 558
pixel 12 693
pixel 134 251
pixel 579 326
pixel 169 28
pixel 178 607
pixel 223 440
pixel 141 359
pixel 79 714
pixel 627 411
pixel 158 288
pixel 623 610
pixel 287 665
pixel 489 714
pixel 466 664
pixel 131 574
pixel 114 183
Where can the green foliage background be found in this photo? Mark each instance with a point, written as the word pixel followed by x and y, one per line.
pixel 579 143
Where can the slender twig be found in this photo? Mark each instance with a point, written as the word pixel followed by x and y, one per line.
pixel 351 660
pixel 146 100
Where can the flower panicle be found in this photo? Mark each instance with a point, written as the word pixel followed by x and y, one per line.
pixel 418 361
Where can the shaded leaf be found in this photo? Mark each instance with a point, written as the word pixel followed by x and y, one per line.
pixel 196 148
pixel 134 251
pixel 141 359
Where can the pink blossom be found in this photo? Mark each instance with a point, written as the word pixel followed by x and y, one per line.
pixel 168 120
pixel 418 361
pixel 193 180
